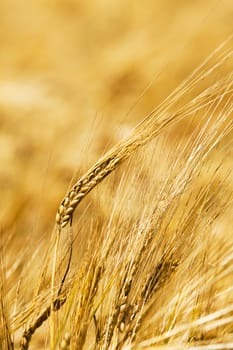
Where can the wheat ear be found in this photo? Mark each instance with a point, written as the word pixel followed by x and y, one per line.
pixel 28 333
pixel 142 134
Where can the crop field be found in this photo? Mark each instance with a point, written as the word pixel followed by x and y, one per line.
pixel 116 175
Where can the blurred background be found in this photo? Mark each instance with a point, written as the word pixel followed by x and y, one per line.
pixel 75 77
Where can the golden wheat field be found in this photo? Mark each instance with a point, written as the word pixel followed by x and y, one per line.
pixel 116 155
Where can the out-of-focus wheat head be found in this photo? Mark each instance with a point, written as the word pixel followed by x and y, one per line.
pixel 150 223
